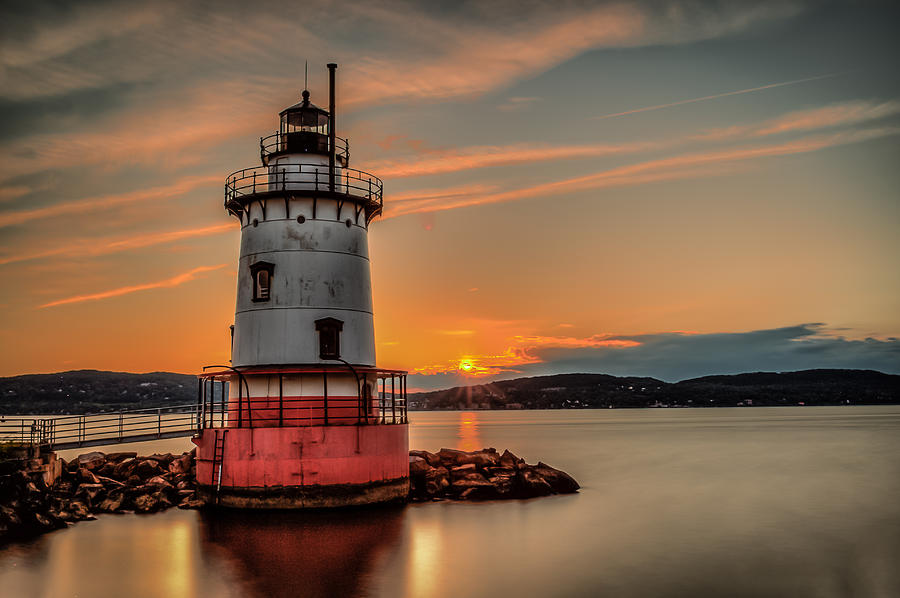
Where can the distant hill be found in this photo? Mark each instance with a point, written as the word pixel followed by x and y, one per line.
pixel 568 391
pixel 92 391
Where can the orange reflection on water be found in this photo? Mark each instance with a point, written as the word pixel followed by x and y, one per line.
pixel 468 434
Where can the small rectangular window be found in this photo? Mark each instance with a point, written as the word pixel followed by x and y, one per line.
pixel 329 330
pixel 262 272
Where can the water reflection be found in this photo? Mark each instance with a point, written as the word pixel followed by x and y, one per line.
pixel 282 553
pixel 469 438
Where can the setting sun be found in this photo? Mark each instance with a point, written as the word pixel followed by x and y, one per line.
pixel 466 365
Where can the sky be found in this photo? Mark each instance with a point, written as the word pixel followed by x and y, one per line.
pixel 667 189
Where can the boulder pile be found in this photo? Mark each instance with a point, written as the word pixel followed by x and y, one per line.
pixel 482 475
pixel 95 483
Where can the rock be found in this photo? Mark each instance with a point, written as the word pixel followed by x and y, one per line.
pixel 453 458
pixel 89 493
pixel 91 461
pixel 559 481
pixel 473 486
pixel 531 484
pixel 79 510
pixel 418 466
pixel 436 481
pixel 147 469
pixel 485 457
pixel 181 465
pixel 159 481
pixel 112 503
pixel 145 503
pixel 118 457
pixel 134 481
pixel 108 470
pixel 504 484
pixel 194 503
pixel 109 482
pixel 86 476
pixel 462 471
pixel 430 458
pixel 64 487
pixel 507 459
pixel 162 458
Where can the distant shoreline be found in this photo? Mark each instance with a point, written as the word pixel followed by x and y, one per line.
pixel 92 391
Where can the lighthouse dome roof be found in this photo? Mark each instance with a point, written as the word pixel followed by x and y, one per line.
pixel 304 113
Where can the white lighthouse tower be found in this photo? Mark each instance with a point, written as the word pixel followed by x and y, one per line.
pixel 310 421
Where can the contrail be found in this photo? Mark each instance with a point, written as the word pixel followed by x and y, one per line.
pixel 713 97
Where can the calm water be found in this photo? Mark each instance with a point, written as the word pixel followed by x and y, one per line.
pixel 719 502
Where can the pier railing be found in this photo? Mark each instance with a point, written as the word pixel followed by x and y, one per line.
pixel 212 410
pixel 97 429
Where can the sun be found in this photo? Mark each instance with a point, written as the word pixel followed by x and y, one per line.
pixel 466 366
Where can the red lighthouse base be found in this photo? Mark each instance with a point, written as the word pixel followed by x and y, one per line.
pixel 303 467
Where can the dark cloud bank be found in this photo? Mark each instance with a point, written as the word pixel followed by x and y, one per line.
pixel 676 356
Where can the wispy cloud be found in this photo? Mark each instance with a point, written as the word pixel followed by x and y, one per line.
pixel 160 284
pixel 714 96
pixel 517 103
pixel 809 119
pixel 90 247
pixel 466 60
pixel 432 162
pixel 455 332
pixel 14 191
pixel 179 187
pixel 488 156
pixel 673 168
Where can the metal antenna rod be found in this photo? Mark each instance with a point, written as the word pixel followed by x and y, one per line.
pixel 306 75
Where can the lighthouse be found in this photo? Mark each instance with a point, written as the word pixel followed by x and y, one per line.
pixel 308 419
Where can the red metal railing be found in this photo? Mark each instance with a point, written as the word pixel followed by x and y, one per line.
pixel 242 411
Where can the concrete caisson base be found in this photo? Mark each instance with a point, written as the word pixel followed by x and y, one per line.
pixel 304 467
pixel 308 497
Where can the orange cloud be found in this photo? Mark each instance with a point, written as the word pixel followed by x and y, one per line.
pixel 464 60
pixel 597 340
pixel 847 113
pixel 481 365
pixel 684 166
pixel 488 156
pixel 167 283
pixel 177 188
pixel 100 247
pixel 519 354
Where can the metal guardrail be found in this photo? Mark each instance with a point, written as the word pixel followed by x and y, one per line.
pixel 356 184
pixel 275 143
pixel 97 429
pixel 139 425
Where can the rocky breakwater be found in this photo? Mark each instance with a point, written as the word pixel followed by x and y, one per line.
pixel 95 483
pixel 482 475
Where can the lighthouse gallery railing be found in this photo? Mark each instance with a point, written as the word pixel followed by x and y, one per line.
pixel 314 178
pixel 389 406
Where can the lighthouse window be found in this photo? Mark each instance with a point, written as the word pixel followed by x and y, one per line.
pixel 261 272
pixel 329 330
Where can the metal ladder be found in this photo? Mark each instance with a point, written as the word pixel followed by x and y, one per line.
pixel 218 458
